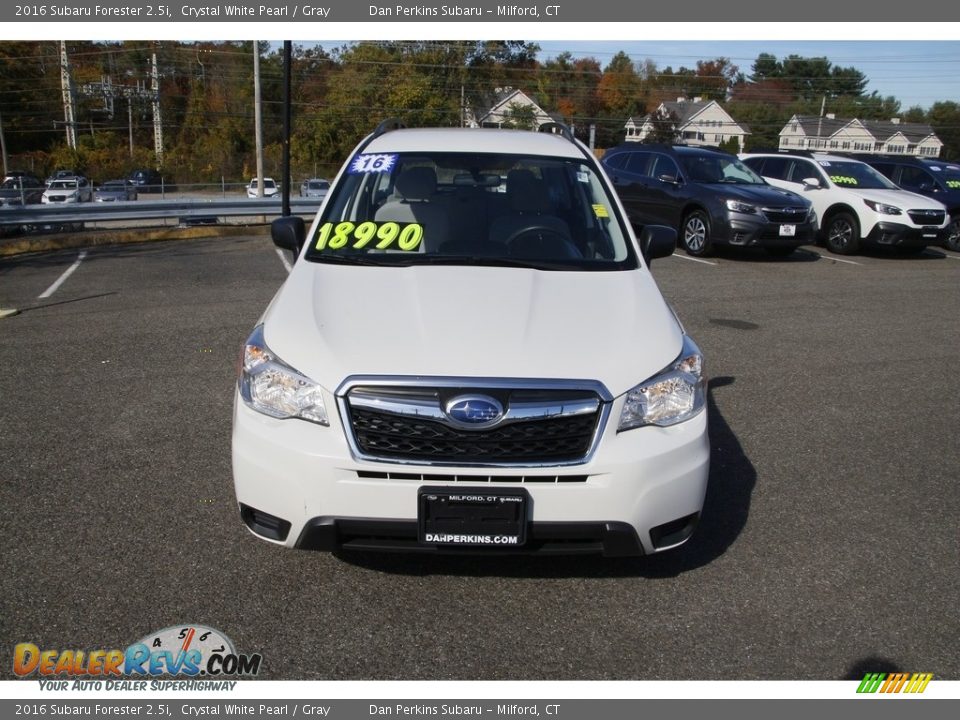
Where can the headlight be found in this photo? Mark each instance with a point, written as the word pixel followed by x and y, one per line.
pixel 741 207
pixel 675 395
pixel 883 209
pixel 270 386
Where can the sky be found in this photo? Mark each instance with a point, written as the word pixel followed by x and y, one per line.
pixel 914 72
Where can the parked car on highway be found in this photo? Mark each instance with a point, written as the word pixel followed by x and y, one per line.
pixel 856 205
pixel 270 188
pixel 710 196
pixel 20 190
pixel 314 187
pixel 114 190
pixel 68 190
pixel 470 354
pixel 148 181
pixel 933 178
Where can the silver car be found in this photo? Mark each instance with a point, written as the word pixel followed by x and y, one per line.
pixel 114 190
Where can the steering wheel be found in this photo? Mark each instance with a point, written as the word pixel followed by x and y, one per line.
pixel 541 241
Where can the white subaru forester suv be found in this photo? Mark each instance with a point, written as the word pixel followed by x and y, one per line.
pixel 471 355
pixel 856 204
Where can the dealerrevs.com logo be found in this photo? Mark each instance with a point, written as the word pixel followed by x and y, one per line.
pixel 183 651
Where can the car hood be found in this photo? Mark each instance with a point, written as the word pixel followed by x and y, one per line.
pixel 902 199
pixel 761 194
pixel 334 321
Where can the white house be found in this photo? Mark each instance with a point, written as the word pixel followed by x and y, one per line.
pixel 881 137
pixel 508 103
pixel 698 123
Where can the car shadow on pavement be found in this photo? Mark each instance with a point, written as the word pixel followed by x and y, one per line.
pixel 726 508
pixel 871 664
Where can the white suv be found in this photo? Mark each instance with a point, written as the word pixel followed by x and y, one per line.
pixel 470 354
pixel 856 204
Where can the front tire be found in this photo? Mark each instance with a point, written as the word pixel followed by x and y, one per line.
pixel 843 234
pixel 952 241
pixel 695 234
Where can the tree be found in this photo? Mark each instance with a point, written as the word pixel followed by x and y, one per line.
pixel 944 118
pixel 766 67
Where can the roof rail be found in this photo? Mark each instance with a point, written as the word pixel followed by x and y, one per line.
pixel 384 127
pixel 557 128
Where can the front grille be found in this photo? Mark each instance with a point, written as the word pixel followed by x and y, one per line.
pixel 394 436
pixel 927 217
pixel 437 478
pixel 789 215
pixel 539 427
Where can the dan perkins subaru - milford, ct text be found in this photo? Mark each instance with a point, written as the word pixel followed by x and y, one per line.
pixel 462 11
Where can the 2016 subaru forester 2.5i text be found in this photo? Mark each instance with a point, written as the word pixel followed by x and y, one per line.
pixel 470 355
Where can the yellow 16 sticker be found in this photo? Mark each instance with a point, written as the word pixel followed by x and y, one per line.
pixel 369 234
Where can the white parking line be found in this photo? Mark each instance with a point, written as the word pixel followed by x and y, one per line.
pixel 66 273
pixel 693 259
pixel 283 259
pixel 954 257
pixel 831 257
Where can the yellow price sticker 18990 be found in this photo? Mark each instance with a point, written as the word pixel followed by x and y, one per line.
pixel 379 235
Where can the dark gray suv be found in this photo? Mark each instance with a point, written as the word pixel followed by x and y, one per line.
pixel 710 197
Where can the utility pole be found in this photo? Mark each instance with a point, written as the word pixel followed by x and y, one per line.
pixel 130 122
pixel 157 122
pixel 823 106
pixel 258 116
pixel 287 73
pixel 3 148
pixel 66 87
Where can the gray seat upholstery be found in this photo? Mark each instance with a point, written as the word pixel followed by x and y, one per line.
pixel 414 202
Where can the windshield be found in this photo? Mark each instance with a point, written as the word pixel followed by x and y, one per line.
pixel 318 185
pixel 855 175
pixel 710 168
pixel 64 185
pixel 949 176
pixel 112 186
pixel 471 208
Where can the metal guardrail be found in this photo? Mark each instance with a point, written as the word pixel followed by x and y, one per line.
pixel 188 210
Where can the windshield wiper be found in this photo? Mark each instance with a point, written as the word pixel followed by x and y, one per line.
pixel 488 261
pixel 351 259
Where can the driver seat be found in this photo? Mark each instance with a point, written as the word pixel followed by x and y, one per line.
pixel 529 202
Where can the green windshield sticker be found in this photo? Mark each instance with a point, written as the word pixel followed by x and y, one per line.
pixel 953 184
pixel 379 235
pixel 844 180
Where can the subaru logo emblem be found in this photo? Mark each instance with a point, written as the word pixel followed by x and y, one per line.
pixel 474 410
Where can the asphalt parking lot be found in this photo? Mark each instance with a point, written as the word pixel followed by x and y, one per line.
pixel 829 546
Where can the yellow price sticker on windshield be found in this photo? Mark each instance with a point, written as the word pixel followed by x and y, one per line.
pixel 600 211
pixel 953 184
pixel 368 234
pixel 844 180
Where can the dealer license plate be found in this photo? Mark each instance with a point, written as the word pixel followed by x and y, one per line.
pixel 788 230
pixel 472 517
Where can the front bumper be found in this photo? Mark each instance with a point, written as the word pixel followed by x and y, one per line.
pixel 298 485
pixel 899 235
pixel 754 231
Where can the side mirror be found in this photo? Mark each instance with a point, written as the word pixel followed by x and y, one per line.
pixel 669 179
pixel 657 241
pixel 811 183
pixel 289 233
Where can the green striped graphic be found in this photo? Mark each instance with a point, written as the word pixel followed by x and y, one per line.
pixel 871 682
